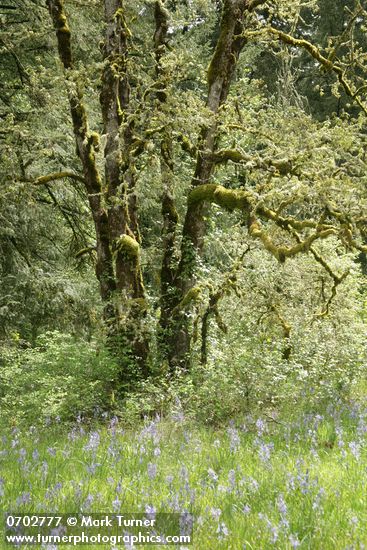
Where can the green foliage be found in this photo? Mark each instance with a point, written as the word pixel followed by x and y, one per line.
pixel 61 377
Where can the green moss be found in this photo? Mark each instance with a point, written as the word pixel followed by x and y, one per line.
pixel 187 145
pixel 94 140
pixel 191 296
pixel 119 15
pixel 230 199
pixel 225 155
pixel 139 304
pixel 202 193
pixel 128 246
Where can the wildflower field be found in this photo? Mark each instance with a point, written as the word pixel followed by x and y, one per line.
pixel 266 483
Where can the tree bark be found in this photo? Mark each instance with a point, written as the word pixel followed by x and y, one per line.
pixel 220 73
pixel 168 293
pixel 120 188
pixel 115 218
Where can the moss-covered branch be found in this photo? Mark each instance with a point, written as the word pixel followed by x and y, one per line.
pixel 54 176
pixel 243 200
pixel 186 145
pixel 282 252
pixel 86 250
pixel 237 199
pixel 283 166
pixel 324 61
pixel 230 199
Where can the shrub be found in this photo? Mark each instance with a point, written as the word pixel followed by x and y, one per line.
pixel 61 377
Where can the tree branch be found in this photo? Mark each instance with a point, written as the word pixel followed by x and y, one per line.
pixel 43 180
pixel 324 61
pixel 283 166
pixel 86 250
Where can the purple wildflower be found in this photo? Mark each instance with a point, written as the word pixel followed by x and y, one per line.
pixel 91 468
pixel 24 498
pixel 44 469
pixel 212 475
pixel 260 426
pixel 152 470
pixel 354 448
pixel 222 530
pixel 184 473
pixel 215 512
pixel 150 512
pixel 232 478
pixel 88 501
pixel 186 523
pixel 293 541
pixel 35 455
pixel 353 521
pixel 234 439
pixel 93 443
pixel 282 506
pixel 116 505
pixel 316 502
pixel 265 451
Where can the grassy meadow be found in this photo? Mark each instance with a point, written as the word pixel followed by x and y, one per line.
pixel 270 482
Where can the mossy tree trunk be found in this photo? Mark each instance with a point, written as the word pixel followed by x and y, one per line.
pixel 168 294
pixel 112 199
pixel 220 73
pixel 120 188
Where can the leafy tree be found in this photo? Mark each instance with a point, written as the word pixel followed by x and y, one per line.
pixel 171 123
